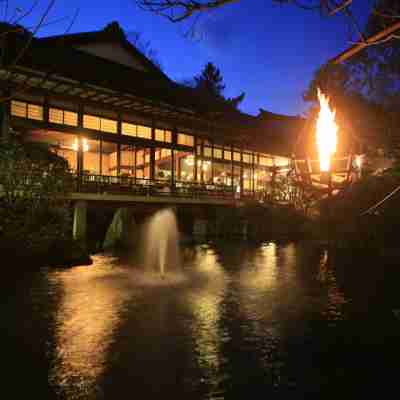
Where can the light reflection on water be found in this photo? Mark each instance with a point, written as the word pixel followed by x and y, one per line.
pixel 222 326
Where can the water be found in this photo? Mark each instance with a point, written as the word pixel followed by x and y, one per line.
pixel 245 322
pixel 160 243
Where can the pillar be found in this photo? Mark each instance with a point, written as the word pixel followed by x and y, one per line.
pixel 80 222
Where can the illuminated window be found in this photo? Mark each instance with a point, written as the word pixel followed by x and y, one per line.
pixel 163 135
pixel 108 125
pixel 35 112
pixel 266 161
pixel 186 140
pixel 207 151
pixel 26 110
pixel 227 155
pixel 143 132
pixel 217 153
pixel 247 158
pixel 18 108
pixel 99 124
pixel 57 116
pixel 236 156
pixel 129 129
pixel 91 122
pixel 199 150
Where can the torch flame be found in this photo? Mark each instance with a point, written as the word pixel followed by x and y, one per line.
pixel 326 132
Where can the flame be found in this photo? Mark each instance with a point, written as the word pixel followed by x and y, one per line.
pixel 326 132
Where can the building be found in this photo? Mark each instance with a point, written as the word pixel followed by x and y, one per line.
pixel 122 124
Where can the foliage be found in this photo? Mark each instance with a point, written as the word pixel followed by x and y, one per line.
pixel 33 215
pixel 344 220
pixel 210 84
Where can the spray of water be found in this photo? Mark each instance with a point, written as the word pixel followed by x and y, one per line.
pixel 160 243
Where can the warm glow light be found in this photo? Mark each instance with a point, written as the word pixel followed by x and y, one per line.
pixel 189 161
pixel 359 161
pixel 326 132
pixel 85 146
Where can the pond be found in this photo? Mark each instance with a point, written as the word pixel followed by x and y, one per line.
pixel 238 321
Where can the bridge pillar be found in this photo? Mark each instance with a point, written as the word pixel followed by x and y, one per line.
pixel 120 231
pixel 80 222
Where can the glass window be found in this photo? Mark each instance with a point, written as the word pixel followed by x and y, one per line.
pixel 163 135
pixel 247 158
pixel 91 156
pixel 143 132
pixel 266 161
pixel 127 161
pixel 109 158
pixel 58 116
pixel 207 151
pixel 18 108
pixel 236 156
pixel 35 112
pixel 91 122
pixel 129 129
pixel 108 125
pixel 163 164
pixel 184 166
pixel 217 152
pixel 186 140
pixel 222 173
pixel 26 110
pixel 227 155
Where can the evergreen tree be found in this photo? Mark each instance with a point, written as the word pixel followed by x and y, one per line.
pixel 211 83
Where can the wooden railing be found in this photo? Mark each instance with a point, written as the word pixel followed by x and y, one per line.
pixel 151 187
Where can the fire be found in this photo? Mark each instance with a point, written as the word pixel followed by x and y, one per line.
pixel 326 132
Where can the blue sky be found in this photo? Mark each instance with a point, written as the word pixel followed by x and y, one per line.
pixel 268 51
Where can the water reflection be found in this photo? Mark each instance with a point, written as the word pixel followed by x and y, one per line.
pixel 244 318
pixel 87 318
pixel 205 302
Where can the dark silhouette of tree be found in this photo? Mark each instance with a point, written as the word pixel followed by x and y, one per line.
pixel 210 83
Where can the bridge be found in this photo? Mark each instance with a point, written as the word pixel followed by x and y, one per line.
pixel 145 196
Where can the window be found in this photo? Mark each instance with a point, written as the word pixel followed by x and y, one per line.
pixel 207 151
pixel 236 156
pixel 247 158
pixel 26 110
pixel 108 125
pixel 143 132
pixel 266 161
pixel 91 122
pixel 186 140
pixel 163 135
pixel 217 153
pixel 58 116
pixel 99 124
pixel 227 155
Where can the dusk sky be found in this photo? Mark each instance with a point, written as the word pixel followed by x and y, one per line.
pixel 268 51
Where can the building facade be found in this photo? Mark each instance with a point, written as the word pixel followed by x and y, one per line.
pixel 121 123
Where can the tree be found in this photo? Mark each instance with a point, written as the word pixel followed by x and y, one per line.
pixel 210 81
pixel 177 11
pixel 34 217
pixel 210 84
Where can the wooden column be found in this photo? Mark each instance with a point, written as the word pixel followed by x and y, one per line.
pixel 195 159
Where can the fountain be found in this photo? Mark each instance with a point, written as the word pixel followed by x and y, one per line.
pixel 160 245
